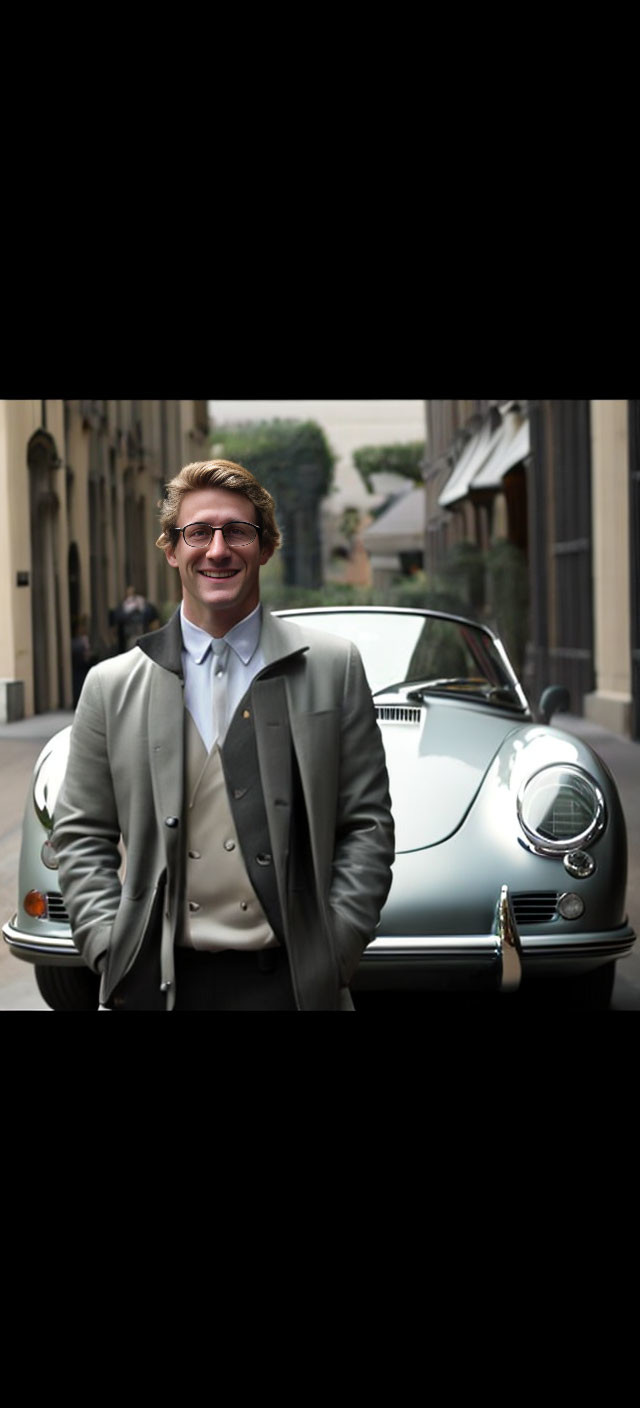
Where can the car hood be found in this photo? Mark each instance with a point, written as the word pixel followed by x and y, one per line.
pixel 438 758
pixel 437 761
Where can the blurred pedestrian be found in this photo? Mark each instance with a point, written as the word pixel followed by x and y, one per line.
pixel 132 618
pixel 81 659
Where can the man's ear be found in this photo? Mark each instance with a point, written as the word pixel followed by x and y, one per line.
pixel 266 554
pixel 170 555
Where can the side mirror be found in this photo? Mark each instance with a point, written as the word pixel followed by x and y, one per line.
pixel 555 699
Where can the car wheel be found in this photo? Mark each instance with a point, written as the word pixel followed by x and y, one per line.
pixel 68 989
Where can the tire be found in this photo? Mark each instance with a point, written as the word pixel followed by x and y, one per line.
pixel 68 989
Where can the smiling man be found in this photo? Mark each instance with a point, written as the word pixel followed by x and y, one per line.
pixel 238 759
pixel 219 569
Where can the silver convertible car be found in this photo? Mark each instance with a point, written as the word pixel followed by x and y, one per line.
pixel 511 852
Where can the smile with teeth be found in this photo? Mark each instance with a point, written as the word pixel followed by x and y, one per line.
pixel 217 575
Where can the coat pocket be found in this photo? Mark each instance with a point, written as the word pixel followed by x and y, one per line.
pixel 349 945
pixel 132 977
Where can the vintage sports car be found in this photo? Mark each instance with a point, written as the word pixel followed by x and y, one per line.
pixel 511 850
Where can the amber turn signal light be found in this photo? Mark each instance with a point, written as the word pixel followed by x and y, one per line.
pixel 35 904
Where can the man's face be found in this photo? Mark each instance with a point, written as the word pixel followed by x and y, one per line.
pixel 220 584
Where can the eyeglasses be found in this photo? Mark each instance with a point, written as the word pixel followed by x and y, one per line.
pixel 236 535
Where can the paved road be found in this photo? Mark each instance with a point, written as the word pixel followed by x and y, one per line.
pixel 21 742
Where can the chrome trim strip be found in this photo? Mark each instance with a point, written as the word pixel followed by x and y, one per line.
pixel 24 944
pixel 614 945
pixel 410 945
pixel 486 946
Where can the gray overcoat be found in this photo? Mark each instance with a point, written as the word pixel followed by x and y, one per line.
pixel 307 782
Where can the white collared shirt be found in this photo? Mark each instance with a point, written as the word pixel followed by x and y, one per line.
pixel 244 661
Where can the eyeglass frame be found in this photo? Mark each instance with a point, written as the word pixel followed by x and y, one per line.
pixel 219 528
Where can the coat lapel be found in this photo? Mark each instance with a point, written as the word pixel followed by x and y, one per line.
pixel 315 735
pixel 280 638
pixel 166 709
pixel 166 712
pixel 273 746
pixel 164 647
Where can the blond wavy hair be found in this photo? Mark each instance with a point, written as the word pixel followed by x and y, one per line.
pixel 217 474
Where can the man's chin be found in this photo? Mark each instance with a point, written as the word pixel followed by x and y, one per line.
pixel 220 590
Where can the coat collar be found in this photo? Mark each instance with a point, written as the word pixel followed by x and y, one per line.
pixel 164 646
pixel 279 639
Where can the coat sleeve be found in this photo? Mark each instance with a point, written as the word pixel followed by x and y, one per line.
pixel 86 832
pixel 364 840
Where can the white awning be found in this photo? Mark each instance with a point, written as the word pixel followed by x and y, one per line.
pixel 514 445
pixel 471 460
pixel 401 527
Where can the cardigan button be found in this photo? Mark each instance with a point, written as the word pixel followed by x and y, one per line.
pixel 264 860
pixel 164 987
pixel 171 821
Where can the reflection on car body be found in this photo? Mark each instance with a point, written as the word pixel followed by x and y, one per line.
pixel 511 853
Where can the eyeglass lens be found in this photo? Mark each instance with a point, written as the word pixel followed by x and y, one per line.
pixel 235 534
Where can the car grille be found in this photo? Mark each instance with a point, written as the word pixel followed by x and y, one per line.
pixel 398 713
pixel 55 909
pixel 535 906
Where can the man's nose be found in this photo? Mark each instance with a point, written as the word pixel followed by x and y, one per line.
pixel 217 547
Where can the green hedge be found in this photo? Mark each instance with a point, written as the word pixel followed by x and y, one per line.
pixel 405 459
pixel 294 461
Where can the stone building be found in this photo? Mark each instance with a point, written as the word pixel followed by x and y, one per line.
pixel 79 485
pixel 559 479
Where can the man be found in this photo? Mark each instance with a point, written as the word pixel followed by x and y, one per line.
pixel 132 617
pixel 237 758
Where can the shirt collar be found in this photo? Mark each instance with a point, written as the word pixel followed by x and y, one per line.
pixel 243 638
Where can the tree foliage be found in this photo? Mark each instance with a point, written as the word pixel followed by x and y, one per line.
pixel 291 458
pixel 294 461
pixel 405 459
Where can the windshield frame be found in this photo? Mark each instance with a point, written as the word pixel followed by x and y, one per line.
pixel 488 649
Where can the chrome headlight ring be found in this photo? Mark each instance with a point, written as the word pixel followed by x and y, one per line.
pixel 560 809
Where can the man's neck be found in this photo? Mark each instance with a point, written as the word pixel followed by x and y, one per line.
pixel 215 625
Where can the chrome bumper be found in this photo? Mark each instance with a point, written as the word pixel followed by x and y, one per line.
pixel 36 948
pixel 497 958
pixel 497 955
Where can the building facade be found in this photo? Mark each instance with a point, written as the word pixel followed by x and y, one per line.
pixel 79 485
pixel 560 481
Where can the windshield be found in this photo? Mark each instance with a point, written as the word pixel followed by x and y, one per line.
pixel 430 654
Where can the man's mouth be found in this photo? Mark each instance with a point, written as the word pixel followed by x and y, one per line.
pixel 218 576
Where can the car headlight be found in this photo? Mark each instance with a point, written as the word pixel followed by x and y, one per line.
pixel 560 809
